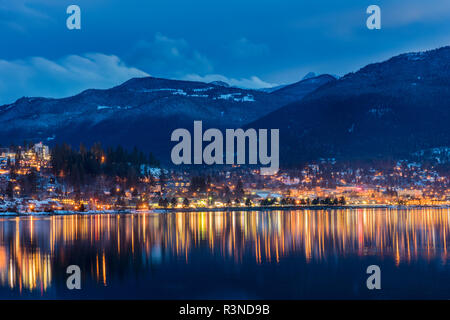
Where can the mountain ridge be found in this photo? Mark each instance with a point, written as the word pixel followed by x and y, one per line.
pixel 138 108
pixel 386 109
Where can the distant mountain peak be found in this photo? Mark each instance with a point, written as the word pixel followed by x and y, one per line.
pixel 303 87
pixel 309 75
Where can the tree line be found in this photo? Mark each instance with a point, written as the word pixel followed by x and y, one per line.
pixel 78 167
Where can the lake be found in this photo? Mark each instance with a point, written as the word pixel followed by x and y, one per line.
pixel 299 254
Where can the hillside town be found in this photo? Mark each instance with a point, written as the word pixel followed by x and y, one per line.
pixel 35 178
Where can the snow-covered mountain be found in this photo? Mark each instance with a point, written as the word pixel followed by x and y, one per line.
pixel 141 112
pixel 385 110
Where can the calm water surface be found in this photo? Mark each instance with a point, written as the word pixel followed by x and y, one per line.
pixel 304 254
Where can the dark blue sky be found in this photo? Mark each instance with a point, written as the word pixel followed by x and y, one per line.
pixel 244 42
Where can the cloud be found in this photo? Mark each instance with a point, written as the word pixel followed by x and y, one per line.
pixel 345 23
pixel 20 7
pixel 17 15
pixel 38 76
pixel 69 75
pixel 248 83
pixel 416 11
pixel 243 48
pixel 167 57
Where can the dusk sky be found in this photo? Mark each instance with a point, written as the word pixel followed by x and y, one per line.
pixel 250 44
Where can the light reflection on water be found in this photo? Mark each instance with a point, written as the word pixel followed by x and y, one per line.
pixel 135 252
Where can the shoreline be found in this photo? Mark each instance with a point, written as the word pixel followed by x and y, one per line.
pixel 228 209
pixel 301 207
